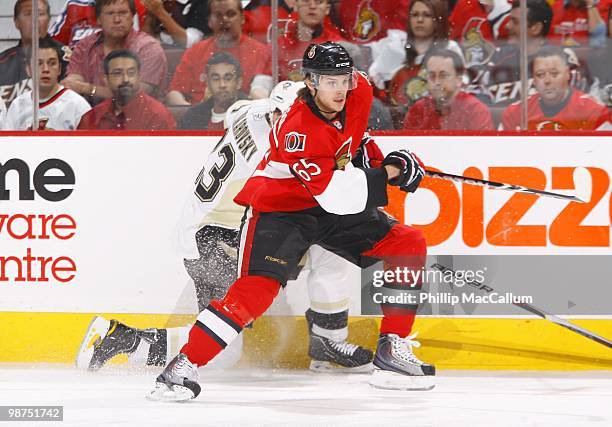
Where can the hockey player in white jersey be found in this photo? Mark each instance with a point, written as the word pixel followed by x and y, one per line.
pixel 208 241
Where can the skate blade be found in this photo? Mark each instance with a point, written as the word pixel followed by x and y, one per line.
pixel 389 380
pixel 96 331
pixel 165 393
pixel 319 366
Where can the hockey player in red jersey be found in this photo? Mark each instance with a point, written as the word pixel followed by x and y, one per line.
pixel 306 191
pixel 556 105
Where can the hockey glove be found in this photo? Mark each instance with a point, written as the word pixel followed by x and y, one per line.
pixel 411 170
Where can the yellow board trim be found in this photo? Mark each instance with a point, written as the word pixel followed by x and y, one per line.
pixel 281 341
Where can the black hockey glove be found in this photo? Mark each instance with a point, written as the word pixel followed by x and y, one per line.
pixel 411 171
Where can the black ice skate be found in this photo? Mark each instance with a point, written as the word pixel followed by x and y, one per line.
pixel 336 355
pixel 106 339
pixel 178 382
pixel 397 368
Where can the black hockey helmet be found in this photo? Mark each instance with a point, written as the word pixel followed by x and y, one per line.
pixel 327 58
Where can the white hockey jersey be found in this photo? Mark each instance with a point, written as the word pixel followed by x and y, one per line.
pixel 230 164
pixel 61 111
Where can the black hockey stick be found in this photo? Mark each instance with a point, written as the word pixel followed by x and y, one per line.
pixel 538 312
pixel 581 184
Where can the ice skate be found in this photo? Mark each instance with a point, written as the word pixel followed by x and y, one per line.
pixel 397 368
pixel 106 339
pixel 336 356
pixel 178 382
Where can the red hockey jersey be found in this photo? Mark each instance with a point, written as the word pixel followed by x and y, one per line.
pixel 78 20
pixel 309 162
pixel 363 21
pixel 579 112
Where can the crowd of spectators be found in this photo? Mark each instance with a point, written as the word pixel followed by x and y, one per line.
pixel 434 64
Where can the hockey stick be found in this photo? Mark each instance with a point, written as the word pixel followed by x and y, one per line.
pixel 581 185
pixel 538 312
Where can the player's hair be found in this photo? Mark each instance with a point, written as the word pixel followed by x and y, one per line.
pixel 458 64
pixel 537 11
pixel 548 51
pixel 121 53
pixel 210 2
pixel 224 58
pixel 101 3
pixel 19 5
pixel 439 10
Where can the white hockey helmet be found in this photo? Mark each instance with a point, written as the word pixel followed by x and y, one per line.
pixel 283 95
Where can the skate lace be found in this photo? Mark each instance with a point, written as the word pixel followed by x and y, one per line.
pixel 344 347
pixel 402 348
pixel 183 368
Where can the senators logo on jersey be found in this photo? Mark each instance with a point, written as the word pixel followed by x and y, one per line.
pixel 367 22
pixel 294 142
pixel 343 155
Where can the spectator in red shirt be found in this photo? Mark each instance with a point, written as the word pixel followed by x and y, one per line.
pixel 427 31
pixel 130 108
pixel 224 78
pixel 580 22
pixel 226 17
pixel 447 107
pixel 86 73
pixel 309 27
pixel 556 105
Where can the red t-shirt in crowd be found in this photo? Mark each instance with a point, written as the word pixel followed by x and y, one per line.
pixel 578 112
pixel 363 21
pixel 254 57
pixel 141 113
pixel 291 50
pixel 466 113
pixel 87 59
pixel 570 25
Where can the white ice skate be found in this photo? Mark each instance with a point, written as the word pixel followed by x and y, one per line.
pixel 177 383
pixel 397 368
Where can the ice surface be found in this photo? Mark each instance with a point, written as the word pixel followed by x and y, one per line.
pixel 115 396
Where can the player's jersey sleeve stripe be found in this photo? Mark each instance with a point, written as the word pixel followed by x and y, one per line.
pixel 354 190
